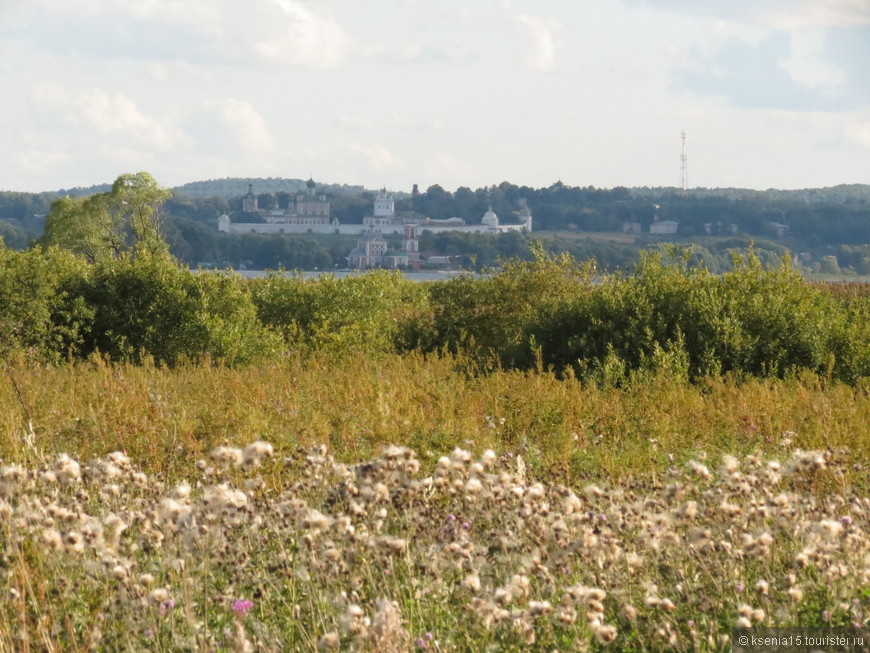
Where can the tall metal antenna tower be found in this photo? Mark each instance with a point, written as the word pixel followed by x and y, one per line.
pixel 684 166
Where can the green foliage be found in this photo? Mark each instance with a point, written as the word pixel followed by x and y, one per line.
pixel 492 316
pixel 81 225
pixel 13 236
pixel 367 312
pixel 474 250
pixel 665 317
pixel 150 306
pixel 136 201
pixel 273 252
pixel 749 321
pixel 107 225
pixel 39 314
pixel 234 187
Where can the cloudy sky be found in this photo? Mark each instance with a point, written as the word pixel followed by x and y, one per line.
pixel 770 93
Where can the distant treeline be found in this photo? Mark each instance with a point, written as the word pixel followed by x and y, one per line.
pixel 839 215
pixel 664 316
pixel 832 222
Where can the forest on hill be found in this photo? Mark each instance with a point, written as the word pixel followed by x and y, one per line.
pixel 826 229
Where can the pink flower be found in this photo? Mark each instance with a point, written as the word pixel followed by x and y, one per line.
pixel 241 606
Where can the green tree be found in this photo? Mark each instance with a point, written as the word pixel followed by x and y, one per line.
pixel 107 225
pixel 829 265
pixel 41 315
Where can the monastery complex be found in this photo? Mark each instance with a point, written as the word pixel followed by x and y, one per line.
pixel 310 214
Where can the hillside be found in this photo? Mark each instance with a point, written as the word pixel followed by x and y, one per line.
pixel 233 187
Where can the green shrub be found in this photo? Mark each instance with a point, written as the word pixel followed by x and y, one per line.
pixel 154 307
pixel 749 321
pixel 39 314
pixel 369 312
pixel 492 317
pixel 674 318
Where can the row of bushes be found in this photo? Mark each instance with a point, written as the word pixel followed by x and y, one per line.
pixel 551 311
pixel 53 306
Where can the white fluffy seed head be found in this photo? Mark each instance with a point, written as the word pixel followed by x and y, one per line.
pixel 254 453
pixel 488 457
pixel 227 456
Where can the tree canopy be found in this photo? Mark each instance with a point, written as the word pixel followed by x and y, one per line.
pixel 125 220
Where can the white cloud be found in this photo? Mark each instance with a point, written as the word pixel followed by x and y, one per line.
pixel 859 132
pixel 379 157
pixel 103 114
pixel 806 63
pixel 237 123
pixel 450 53
pixel 303 38
pixel 446 92
pixel 542 36
pixel 354 122
pixel 397 52
pixel 394 122
pixel 286 32
pixel 453 172
pixel 814 14
pixel 119 114
pixel 416 123
pixel 41 162
pixel 772 14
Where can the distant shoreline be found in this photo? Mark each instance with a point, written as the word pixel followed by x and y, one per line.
pixel 426 275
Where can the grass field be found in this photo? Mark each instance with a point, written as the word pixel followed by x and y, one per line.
pixel 398 503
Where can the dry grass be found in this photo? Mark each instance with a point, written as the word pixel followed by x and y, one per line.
pixel 166 417
pixel 403 504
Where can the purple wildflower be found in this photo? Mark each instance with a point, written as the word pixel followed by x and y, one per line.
pixel 241 606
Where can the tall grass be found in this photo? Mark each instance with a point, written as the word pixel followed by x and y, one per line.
pixel 211 508
pixel 164 417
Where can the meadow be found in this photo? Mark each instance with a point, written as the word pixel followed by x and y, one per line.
pixel 536 460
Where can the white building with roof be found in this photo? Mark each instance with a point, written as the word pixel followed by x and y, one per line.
pixel 311 214
pixel 664 227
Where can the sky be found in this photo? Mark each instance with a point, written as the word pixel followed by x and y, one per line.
pixel 391 93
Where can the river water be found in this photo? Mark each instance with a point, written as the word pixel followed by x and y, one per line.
pixel 428 275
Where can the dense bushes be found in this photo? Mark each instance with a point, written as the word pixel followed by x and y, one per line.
pixel 39 314
pixel 491 317
pixel 371 312
pixel 551 311
pixel 154 307
pixel 54 305
pixel 750 321
pixel 660 317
